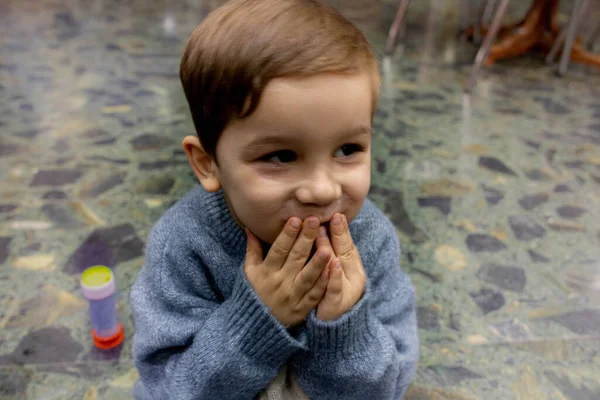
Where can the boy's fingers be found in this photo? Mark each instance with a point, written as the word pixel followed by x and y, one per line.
pixel 309 275
pixel 280 249
pixel 341 239
pixel 301 248
pixel 323 241
pixel 334 287
pixel 316 293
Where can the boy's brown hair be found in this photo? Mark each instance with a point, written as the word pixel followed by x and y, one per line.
pixel 232 55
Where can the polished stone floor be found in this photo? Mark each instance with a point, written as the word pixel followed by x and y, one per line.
pixel 496 196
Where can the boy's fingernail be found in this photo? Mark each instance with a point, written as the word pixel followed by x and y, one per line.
pixel 313 223
pixel 295 222
pixel 337 220
pixel 322 231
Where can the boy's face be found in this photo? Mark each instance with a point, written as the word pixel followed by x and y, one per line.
pixel 306 150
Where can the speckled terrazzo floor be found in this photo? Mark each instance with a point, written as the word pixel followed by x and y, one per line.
pixel 495 196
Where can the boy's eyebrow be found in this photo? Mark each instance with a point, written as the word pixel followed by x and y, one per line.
pixel 266 141
pixel 282 140
pixel 278 140
pixel 361 130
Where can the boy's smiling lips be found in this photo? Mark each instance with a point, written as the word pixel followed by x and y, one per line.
pixel 323 221
pixel 324 217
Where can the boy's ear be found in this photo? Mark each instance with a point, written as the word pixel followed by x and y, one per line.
pixel 204 167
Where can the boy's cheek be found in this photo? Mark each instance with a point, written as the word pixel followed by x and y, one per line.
pixel 265 233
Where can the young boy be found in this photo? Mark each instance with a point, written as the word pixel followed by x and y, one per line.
pixel 276 278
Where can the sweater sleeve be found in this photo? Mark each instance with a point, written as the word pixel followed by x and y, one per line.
pixel 371 351
pixel 189 344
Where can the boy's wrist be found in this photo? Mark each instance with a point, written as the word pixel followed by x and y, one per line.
pixel 257 331
pixel 347 334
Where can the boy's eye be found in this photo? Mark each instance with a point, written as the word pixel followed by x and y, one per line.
pixel 348 149
pixel 279 157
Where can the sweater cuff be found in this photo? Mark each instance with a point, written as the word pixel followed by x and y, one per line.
pixel 346 335
pixel 259 333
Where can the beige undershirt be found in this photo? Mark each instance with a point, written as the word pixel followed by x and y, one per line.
pixel 284 387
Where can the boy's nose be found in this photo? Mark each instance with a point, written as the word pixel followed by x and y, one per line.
pixel 319 189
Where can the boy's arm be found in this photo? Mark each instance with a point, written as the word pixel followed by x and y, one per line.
pixel 372 350
pixel 190 345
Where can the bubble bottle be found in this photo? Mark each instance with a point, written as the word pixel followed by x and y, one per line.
pixel 99 288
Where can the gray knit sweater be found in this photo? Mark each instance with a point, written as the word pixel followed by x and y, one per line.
pixel 203 333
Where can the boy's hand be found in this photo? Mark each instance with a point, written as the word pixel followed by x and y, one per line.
pixel 347 275
pixel 288 285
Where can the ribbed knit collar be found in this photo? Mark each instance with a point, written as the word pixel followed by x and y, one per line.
pixel 222 221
